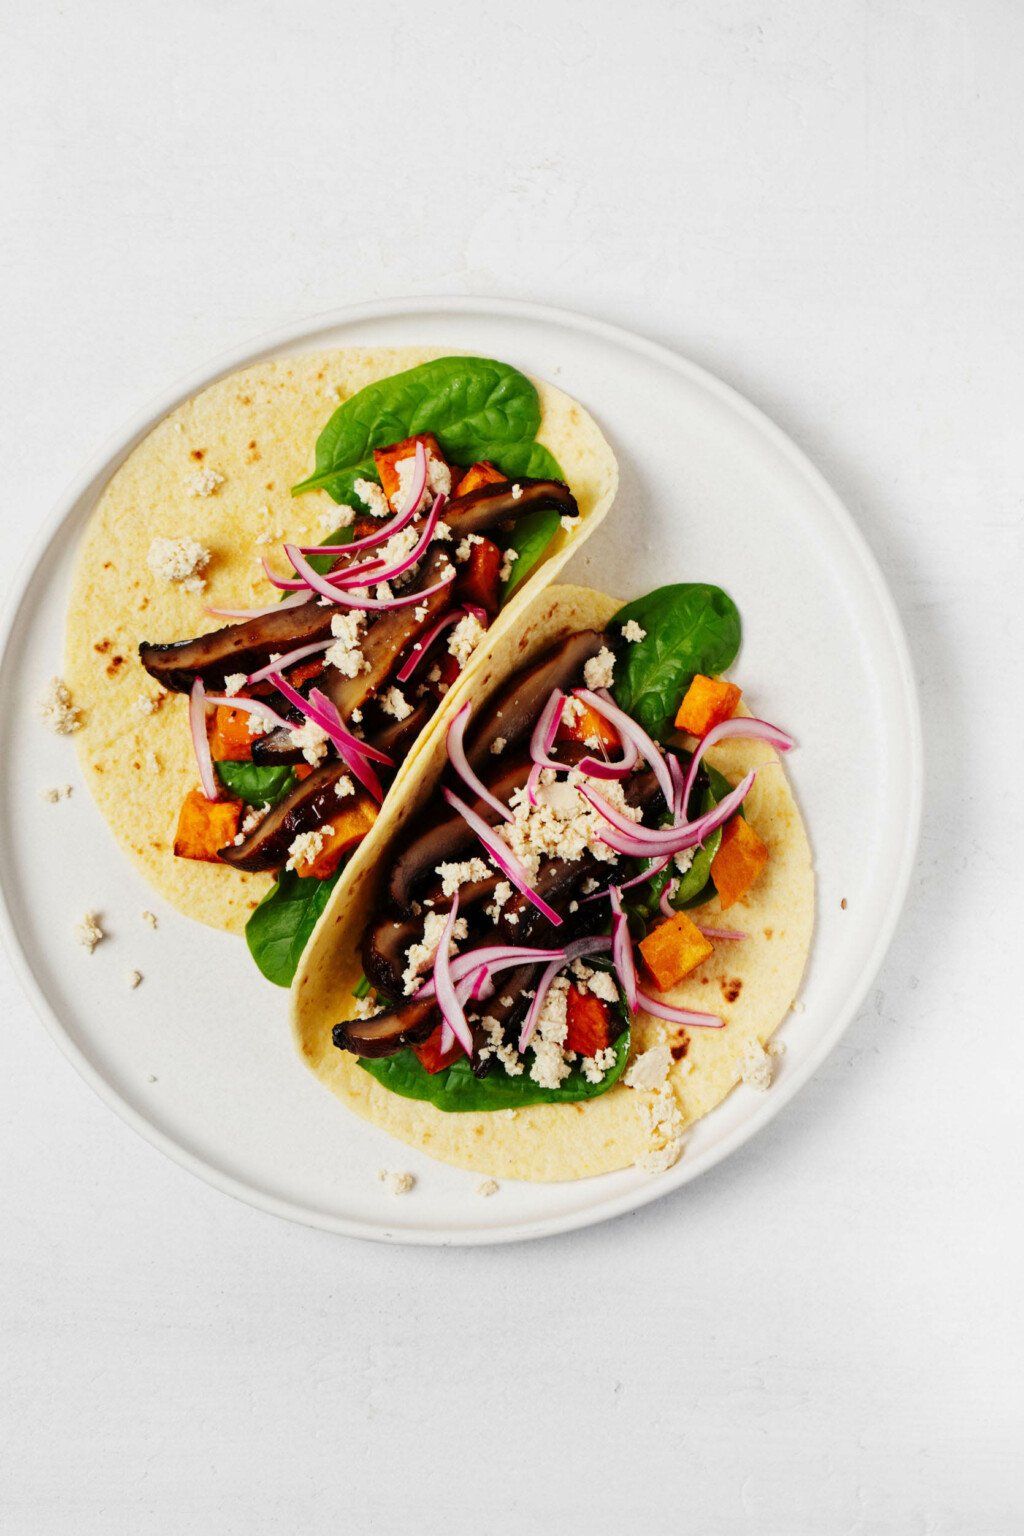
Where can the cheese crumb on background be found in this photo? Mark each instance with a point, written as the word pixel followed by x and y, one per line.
pixel 56 709
pixel 757 1068
pixel 631 631
pixel 397 1183
pixel 87 931
pixel 179 560
pixel 488 1187
pixel 58 792
pixel 149 918
pixel 134 979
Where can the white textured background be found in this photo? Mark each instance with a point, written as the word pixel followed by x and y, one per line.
pixel 820 201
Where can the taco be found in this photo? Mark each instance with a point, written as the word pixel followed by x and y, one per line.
pixel 587 912
pixel 248 706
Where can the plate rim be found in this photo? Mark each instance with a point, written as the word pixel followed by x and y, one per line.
pixel 112 453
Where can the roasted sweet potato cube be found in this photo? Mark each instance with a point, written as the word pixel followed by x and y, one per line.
pixel 740 859
pixel 479 578
pixel 674 949
pixel 708 702
pixel 349 824
pixel 386 459
pixel 230 741
pixel 484 473
pixel 587 724
pixel 431 1056
pixel 205 826
pixel 591 1027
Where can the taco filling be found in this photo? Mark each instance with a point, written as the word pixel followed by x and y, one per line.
pixel 542 896
pixel 326 690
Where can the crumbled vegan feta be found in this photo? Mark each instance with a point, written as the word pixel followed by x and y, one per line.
pixel 396 704
pixel 58 792
pixel 508 559
pixel 134 979
pixel 256 725
pixel 602 985
pixel 465 637
pixel 234 681
pixel 306 848
pixel 599 671
pixel 87 931
pixel 572 710
pixel 179 560
pixel 365 1008
pixel 56 709
pixel 551 1063
pixel 464 549
pixel 312 740
pixel 684 859
pixel 442 533
pixel 562 824
pixel 569 523
pixel 344 787
pixel 346 652
pixel 498 745
pixel 455 875
pixel 502 894
pixel 665 1129
pixel 631 631
pixel 650 1069
pixel 517 492
pixel 757 1068
pixel 370 493
pixel 342 516
pixel 204 482
pixel 499 1048
pixel 439 480
pixel 148 704
pixel 596 1068
pixel 487 1187
pixel 420 956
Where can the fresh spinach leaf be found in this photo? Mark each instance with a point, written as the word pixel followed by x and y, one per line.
pixel 457 1091
pixel 531 460
pixel 279 929
pixel 476 408
pixel 256 783
pixel 531 536
pixel 691 628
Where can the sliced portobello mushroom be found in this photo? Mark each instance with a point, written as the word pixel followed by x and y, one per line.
pixel 444 836
pixel 308 806
pixel 391 635
pixel 385 945
pixel 513 710
pixel 405 1024
pixel 497 503
pixel 241 647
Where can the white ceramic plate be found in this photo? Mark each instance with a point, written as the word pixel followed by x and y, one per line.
pixel 199 1060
